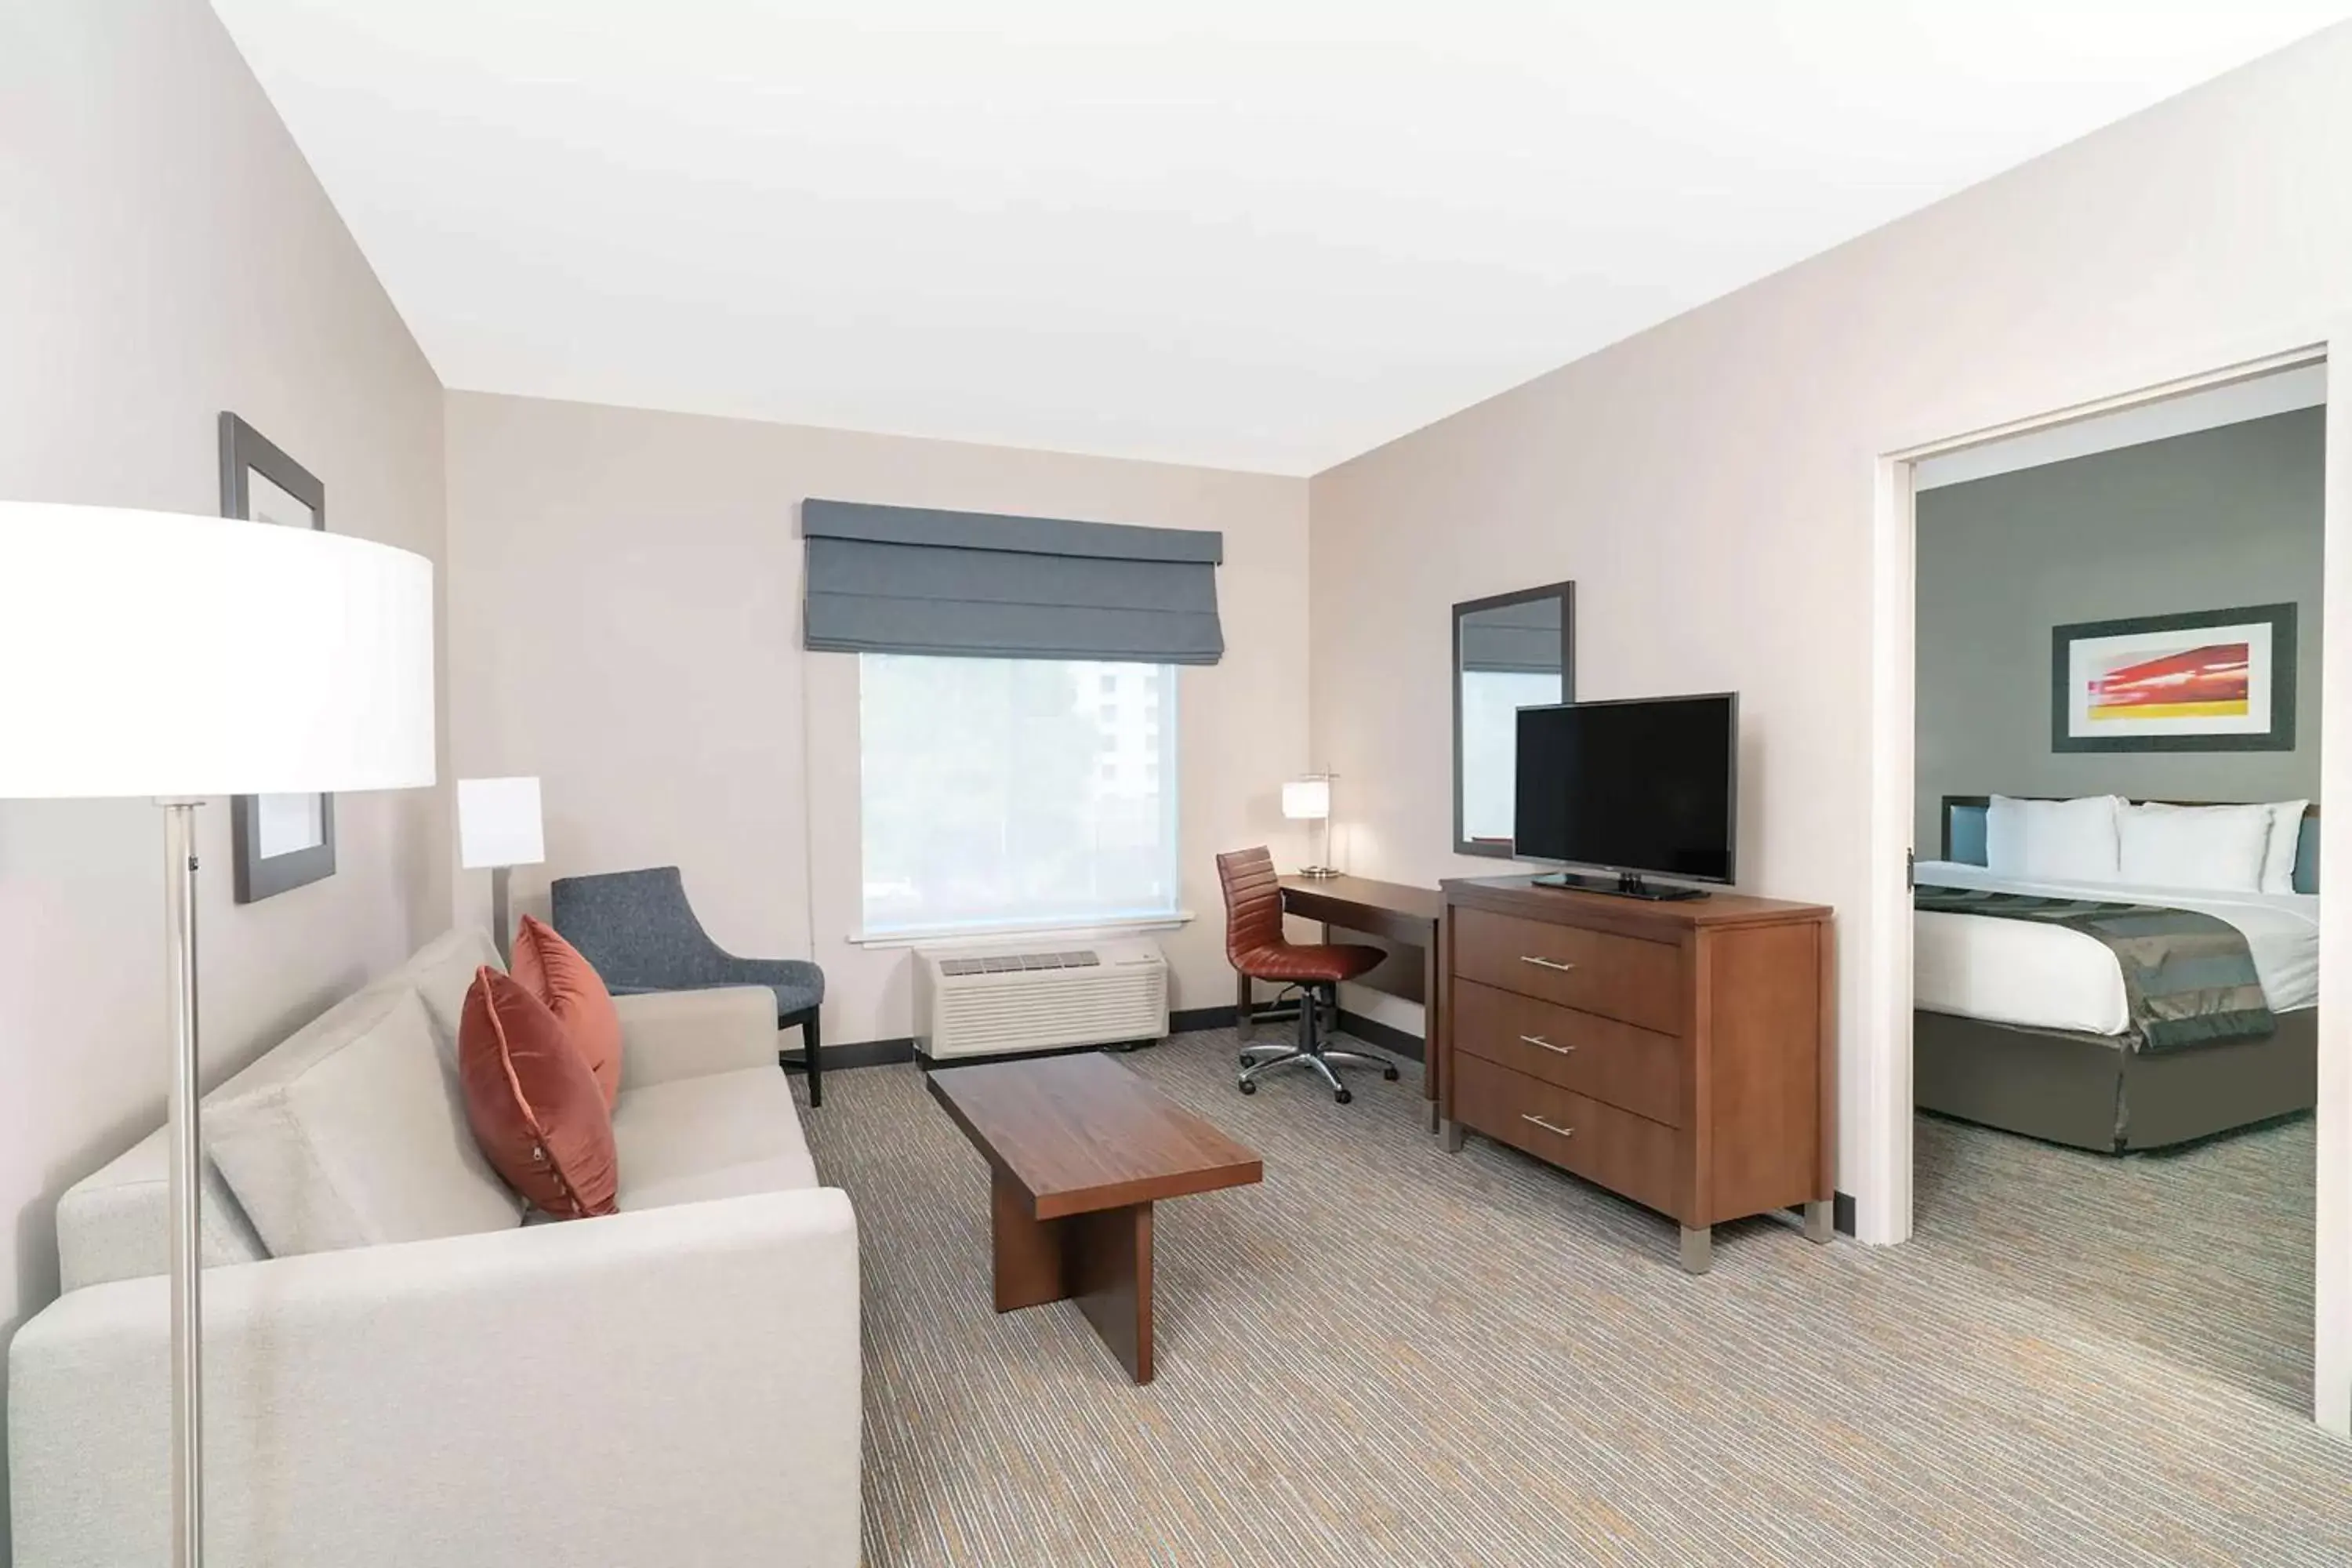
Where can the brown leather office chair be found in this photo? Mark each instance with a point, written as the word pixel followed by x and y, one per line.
pixel 1255 945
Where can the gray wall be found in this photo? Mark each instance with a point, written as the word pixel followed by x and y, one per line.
pixel 2202 521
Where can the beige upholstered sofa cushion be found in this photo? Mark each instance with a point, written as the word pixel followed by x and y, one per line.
pixel 717 1136
pixel 357 1136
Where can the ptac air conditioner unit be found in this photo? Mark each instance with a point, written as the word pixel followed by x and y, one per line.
pixel 973 1004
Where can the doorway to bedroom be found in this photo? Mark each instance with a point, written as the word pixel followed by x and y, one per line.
pixel 2117 644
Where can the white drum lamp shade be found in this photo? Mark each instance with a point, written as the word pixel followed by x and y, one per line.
pixel 146 653
pixel 499 823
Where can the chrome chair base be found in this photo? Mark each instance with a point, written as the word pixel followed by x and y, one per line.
pixel 1310 1052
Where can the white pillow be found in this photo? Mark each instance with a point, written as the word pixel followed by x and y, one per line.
pixel 2287 838
pixel 360 1139
pixel 2054 840
pixel 2216 847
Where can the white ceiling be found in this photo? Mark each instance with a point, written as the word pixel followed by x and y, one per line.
pixel 1254 234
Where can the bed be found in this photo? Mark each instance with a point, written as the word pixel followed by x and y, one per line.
pixel 2026 1027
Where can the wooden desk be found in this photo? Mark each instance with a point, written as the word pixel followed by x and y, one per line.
pixel 1392 912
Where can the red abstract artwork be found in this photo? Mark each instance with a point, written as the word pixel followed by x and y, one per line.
pixel 2213 681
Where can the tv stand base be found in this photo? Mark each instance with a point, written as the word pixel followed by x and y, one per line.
pixel 1625 885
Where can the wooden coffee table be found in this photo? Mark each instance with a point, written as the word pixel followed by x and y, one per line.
pixel 1081 1148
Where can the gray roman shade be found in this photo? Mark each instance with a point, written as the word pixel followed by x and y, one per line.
pixel 895 579
pixel 1521 638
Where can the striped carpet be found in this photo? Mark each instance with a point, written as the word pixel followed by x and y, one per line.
pixel 1388 1355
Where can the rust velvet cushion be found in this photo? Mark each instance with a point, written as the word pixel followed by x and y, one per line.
pixel 534 1107
pixel 551 969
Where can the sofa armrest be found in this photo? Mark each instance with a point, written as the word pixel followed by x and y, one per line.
pixel 668 1035
pixel 674 1385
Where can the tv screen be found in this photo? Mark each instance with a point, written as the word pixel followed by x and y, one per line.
pixel 1644 787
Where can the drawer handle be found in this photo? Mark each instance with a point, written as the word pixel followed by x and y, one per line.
pixel 1546 963
pixel 1548 1126
pixel 1539 1040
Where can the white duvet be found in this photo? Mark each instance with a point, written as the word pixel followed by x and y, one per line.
pixel 2046 977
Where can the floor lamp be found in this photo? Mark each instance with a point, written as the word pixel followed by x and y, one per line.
pixel 153 654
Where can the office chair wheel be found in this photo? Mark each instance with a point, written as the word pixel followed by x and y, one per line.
pixel 1247 1085
pixel 1388 1073
pixel 1248 1059
pixel 1342 1096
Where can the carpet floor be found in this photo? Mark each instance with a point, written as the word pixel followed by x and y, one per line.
pixel 1388 1355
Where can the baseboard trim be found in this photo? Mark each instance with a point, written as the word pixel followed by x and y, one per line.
pixel 863 1054
pixel 1183 1021
pixel 1371 1031
pixel 1388 1036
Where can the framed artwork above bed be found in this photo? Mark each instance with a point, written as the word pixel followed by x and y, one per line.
pixel 2209 680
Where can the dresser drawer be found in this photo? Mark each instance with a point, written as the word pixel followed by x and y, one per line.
pixel 1627 1153
pixel 1591 971
pixel 1638 1069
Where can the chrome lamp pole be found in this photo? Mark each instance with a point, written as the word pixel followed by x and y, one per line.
pixel 188 1188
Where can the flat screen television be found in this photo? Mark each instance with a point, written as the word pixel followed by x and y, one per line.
pixel 1642 788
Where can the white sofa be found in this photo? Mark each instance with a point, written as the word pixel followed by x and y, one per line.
pixel 676 1385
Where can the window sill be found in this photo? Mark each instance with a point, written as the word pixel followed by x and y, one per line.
pixel 965 936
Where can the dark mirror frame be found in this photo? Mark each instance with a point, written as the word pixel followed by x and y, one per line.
pixel 1566 594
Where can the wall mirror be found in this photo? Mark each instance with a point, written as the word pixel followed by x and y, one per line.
pixel 1511 651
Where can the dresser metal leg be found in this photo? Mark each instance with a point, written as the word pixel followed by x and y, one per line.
pixel 1820 1220
pixel 1452 1132
pixel 1698 1249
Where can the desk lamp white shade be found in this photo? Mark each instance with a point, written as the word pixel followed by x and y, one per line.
pixel 146 653
pixel 499 823
pixel 1308 799
pixel 498 827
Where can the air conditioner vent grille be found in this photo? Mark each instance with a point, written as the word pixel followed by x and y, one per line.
pixel 1014 963
pixel 975 1003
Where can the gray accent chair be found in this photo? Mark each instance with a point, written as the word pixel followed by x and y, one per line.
pixel 640 933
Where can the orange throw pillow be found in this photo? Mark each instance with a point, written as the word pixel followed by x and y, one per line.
pixel 551 969
pixel 534 1106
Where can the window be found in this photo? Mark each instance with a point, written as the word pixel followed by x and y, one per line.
pixel 1002 792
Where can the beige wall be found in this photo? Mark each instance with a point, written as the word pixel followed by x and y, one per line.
pixel 1709 484
pixel 624 622
pixel 167 255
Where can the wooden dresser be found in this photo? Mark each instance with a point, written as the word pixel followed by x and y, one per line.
pixel 1681 1054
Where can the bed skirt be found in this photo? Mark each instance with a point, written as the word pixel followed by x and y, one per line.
pixel 2089 1092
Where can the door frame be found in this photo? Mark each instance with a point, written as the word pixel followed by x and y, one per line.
pixel 1882 1187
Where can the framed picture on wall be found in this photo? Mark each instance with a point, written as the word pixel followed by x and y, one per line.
pixel 2211 681
pixel 279 841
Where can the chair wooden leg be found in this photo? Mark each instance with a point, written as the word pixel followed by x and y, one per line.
pixel 807 1025
pixel 809 1045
